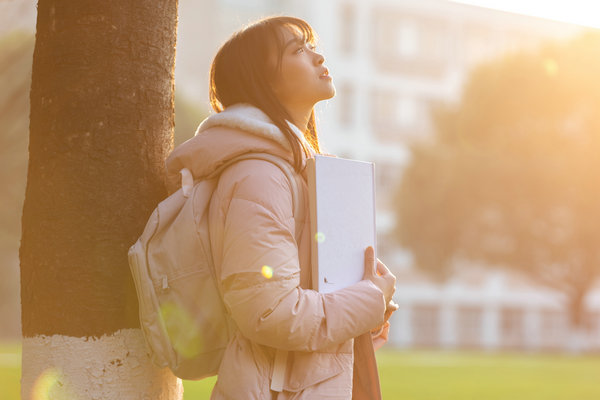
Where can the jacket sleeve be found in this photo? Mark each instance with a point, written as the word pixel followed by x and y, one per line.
pixel 259 268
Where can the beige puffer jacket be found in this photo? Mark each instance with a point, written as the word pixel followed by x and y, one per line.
pixel 252 225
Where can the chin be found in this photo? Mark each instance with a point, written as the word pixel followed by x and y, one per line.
pixel 329 93
pixel 332 91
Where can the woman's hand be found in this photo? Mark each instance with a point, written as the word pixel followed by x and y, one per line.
pixel 380 275
pixel 380 334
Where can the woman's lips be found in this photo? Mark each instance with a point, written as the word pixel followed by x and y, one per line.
pixel 325 74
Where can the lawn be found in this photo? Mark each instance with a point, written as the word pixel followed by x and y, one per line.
pixel 431 375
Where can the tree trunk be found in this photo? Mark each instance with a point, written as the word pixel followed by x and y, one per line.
pixel 101 125
pixel 578 337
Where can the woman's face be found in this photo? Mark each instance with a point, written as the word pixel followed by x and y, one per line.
pixel 303 79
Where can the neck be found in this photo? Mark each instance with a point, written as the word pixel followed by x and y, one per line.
pixel 300 117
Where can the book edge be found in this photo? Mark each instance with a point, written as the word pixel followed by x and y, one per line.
pixel 312 206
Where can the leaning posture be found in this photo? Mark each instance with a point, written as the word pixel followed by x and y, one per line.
pixel 289 342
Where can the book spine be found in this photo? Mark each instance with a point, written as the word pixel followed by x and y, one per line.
pixel 312 206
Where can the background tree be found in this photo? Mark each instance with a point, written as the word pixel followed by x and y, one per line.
pixel 101 125
pixel 15 78
pixel 188 116
pixel 511 176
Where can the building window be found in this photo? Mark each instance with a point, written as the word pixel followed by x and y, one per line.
pixel 426 325
pixel 383 108
pixel 554 326
pixel 470 320
pixel 411 44
pixel 512 328
pixel 345 95
pixel 408 39
pixel 387 175
pixel 347 29
pixel 407 112
pixel 396 117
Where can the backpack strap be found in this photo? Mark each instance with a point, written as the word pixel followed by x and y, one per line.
pixel 187 183
pixel 292 177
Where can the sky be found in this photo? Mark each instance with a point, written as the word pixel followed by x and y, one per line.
pixel 580 12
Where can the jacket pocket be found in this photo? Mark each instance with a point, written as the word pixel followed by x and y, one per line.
pixel 243 372
pixel 311 369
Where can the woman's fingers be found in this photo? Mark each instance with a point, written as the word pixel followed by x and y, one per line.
pixel 369 262
pixel 381 268
pixel 390 309
pixel 384 280
pixel 381 337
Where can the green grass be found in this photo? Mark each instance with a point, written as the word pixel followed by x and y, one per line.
pixel 480 376
pixel 10 370
pixel 431 375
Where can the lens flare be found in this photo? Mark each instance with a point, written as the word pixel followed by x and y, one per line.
pixel 267 271
pixel 320 237
pixel 182 329
pixel 48 384
pixel 550 66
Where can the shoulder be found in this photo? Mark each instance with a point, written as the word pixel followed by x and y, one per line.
pixel 257 181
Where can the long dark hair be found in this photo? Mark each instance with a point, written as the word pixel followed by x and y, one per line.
pixel 240 73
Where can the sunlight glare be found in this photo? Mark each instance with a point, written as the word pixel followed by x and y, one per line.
pixel 46 385
pixel 579 12
pixel 551 67
pixel 267 271
pixel 320 237
pixel 182 329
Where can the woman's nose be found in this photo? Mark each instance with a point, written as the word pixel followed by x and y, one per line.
pixel 319 59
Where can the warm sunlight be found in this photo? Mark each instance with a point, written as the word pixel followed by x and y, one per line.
pixel 580 12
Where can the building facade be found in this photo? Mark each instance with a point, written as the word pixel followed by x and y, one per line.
pixel 392 61
pixel 489 309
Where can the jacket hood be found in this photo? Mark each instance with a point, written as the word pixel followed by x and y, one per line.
pixel 237 130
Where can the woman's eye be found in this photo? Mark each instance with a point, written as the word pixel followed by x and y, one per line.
pixel 305 46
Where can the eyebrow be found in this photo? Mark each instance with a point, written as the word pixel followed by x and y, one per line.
pixel 295 40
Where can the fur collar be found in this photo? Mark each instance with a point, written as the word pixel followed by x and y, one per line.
pixel 238 130
pixel 250 119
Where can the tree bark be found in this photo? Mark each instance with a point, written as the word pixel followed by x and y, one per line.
pixel 101 125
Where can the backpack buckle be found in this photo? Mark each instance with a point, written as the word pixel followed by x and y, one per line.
pixel 187 182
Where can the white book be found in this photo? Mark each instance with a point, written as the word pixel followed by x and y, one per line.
pixel 342 220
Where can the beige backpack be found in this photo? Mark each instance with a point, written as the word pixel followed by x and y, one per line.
pixel 182 315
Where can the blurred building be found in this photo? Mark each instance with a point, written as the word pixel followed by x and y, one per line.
pixel 391 61
pixel 497 310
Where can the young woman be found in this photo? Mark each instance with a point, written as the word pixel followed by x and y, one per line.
pixel 290 342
